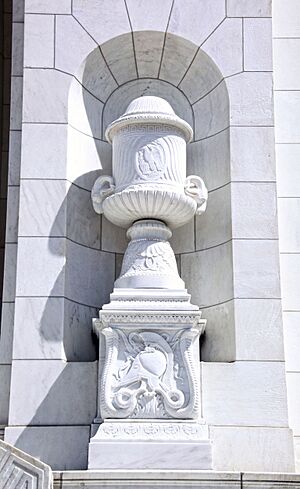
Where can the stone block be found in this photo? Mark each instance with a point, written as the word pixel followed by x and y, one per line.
pixel 210 159
pixel 87 159
pixel 286 64
pixel 244 393
pixel 218 210
pixel 12 214
pixel 297 453
pixel 120 56
pixel 5 372
pixel 290 281
pixel 113 237
pixel 85 111
pixel 41 263
pixel 42 7
pixel 62 447
pixel 89 275
pixel 293 391
pixel 225 47
pixel 287 110
pixel 254 210
pixel 72 45
pixel 145 455
pixel 16 103
pixel 45 96
pixel 291 328
pixel 148 48
pixel 252 449
pixel 286 18
pixel 288 170
pixel 83 225
pixel 218 342
pixel 39 41
pixel 243 329
pixel 144 15
pixel 93 73
pixel 258 45
pixel 102 24
pixel 7 328
pixel 53 328
pixel 208 275
pixel 212 113
pixel 198 21
pixel 49 140
pixel 152 478
pixel 206 73
pixel 244 8
pixel 43 208
pixel 14 157
pixel 52 392
pixel 267 481
pixel 183 239
pixel 289 225
pixel 17 49
pixel 251 102
pixel 9 278
pixel 18 11
pixel 252 154
pixel 256 269
pixel 177 56
pixel 258 330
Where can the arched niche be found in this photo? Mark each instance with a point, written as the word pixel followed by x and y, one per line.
pixel 110 77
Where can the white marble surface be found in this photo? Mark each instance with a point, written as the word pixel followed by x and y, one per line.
pixel 45 96
pixel 215 263
pixel 64 447
pixel 246 199
pixel 42 7
pixel 293 388
pixel 5 372
pixel 38 384
pixel 177 56
pixel 211 158
pixel 288 213
pixel 256 269
pixel 150 455
pixel 251 99
pixel 17 49
pixel 39 41
pixel 287 111
pixel 225 47
pixel 256 449
pixel 196 27
pixel 7 327
pixel 290 281
pixel 291 321
pixel 244 393
pixel 288 170
pixel 254 8
pixel 49 140
pixel 252 154
pixel 148 51
pixel 212 112
pixel 286 18
pixel 258 38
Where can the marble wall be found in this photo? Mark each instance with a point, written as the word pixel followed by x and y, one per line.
pixel 286 45
pixel 83 63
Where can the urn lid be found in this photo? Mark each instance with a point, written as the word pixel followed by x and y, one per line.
pixel 149 110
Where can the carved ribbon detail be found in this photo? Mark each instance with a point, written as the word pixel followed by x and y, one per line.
pixel 103 187
pixel 195 188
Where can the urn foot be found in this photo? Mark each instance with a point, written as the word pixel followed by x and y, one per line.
pixel 149 261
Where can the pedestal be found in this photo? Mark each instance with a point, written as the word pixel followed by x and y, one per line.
pixel 150 445
pixel 149 383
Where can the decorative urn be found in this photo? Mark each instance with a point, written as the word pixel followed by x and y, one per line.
pixel 149 190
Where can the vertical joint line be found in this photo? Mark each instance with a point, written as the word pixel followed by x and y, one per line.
pixel 132 37
pixel 165 38
pixel 54 43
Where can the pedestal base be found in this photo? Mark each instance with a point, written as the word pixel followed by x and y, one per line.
pixel 150 445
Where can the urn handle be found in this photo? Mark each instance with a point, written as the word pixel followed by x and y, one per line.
pixel 195 188
pixel 103 187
